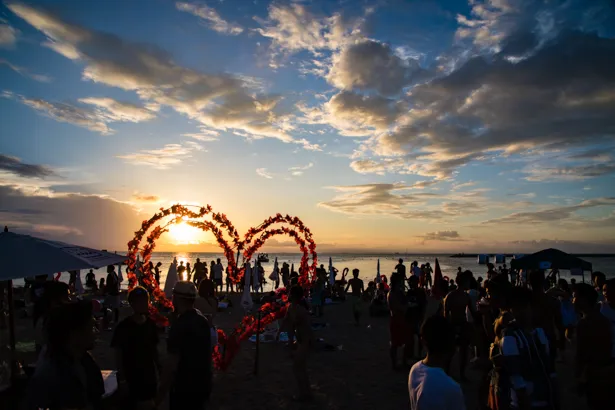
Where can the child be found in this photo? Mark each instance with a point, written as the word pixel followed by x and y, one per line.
pixel 136 346
pixel 357 290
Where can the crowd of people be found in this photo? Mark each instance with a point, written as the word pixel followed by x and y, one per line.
pixel 510 331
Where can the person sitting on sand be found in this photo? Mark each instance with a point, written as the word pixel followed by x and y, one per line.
pixel 429 387
pixel 355 297
pixel 298 325
pixel 594 368
pixel 455 305
pixel 135 341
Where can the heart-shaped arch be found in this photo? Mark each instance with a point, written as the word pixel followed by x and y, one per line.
pixel 253 240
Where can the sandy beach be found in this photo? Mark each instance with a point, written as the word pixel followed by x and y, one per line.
pixel 358 376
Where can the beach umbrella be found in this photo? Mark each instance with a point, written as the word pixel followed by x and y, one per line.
pixel 79 284
pixel 171 279
pixel 331 272
pixel 378 271
pixel 246 297
pixel 436 289
pixel 24 255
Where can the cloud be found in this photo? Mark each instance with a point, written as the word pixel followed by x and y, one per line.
pixel 298 171
pixel 165 157
pixel 221 101
pixel 144 198
pixel 210 18
pixel 108 110
pixel 25 72
pixel 204 135
pixel 353 114
pixel 552 215
pixel 383 199
pixel 561 96
pixel 441 236
pixel 371 65
pixel 576 173
pixel 87 220
pixel 293 28
pixel 65 112
pixel 15 166
pixel 262 172
pixel 8 35
pixel 457 187
pixel 114 110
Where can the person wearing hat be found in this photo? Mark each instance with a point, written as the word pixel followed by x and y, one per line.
pixel 187 374
pixel 135 341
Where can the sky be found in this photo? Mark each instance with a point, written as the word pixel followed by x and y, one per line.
pixel 386 126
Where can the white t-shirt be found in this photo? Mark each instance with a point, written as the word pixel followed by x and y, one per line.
pixel 609 313
pixel 430 388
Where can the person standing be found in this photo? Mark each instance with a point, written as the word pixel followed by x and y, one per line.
pixel 607 308
pixel 186 375
pixel 157 272
pixel 429 387
pixel 216 274
pixel 199 272
pixel 298 324
pixel 398 324
pixel 417 303
pixel 594 368
pixel 456 304
pixel 285 275
pixel 112 291
pixel 180 270
pixel 135 341
pixel 188 272
pixel 66 376
pixel 358 288
pixel 400 268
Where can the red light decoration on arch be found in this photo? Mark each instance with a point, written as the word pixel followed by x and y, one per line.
pixel 219 225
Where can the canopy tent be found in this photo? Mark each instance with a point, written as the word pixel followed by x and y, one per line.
pixel 554 258
pixel 23 256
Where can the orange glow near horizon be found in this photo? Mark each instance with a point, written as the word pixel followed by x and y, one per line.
pixel 184 234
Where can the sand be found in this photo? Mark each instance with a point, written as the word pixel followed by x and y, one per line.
pixel 358 376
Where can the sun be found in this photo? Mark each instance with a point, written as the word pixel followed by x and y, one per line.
pixel 183 233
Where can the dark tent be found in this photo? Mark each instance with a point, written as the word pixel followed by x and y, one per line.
pixel 557 258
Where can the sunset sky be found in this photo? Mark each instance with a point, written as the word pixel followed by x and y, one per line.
pixel 432 126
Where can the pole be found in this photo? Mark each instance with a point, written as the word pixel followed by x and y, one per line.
pixel 258 342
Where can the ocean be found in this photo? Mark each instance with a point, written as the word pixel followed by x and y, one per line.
pixel 366 263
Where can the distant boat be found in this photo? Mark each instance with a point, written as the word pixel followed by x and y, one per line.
pixel 263 257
